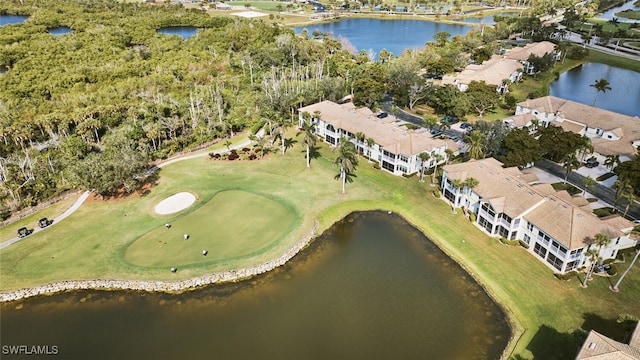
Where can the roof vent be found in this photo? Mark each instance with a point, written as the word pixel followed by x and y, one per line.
pixel 553 199
pixel 520 185
pixel 565 206
pixel 592 346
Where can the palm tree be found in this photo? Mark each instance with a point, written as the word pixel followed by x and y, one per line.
pixel 360 136
pixel 470 183
pixel 594 257
pixel 346 161
pixel 624 190
pixel 308 139
pixel 437 158
pixel 475 142
pixel 589 182
pixel 424 157
pixel 228 143
pixel 569 163
pixel 612 161
pixel 429 122
pixel 278 132
pixel 370 142
pixel 600 85
pixel 615 287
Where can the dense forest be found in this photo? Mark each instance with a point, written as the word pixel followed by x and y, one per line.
pixel 93 108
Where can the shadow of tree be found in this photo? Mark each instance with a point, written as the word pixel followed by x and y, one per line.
pixel 548 343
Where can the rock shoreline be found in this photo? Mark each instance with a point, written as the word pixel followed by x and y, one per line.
pixel 161 286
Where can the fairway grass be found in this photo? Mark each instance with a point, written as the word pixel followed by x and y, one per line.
pixel 98 241
pixel 233 224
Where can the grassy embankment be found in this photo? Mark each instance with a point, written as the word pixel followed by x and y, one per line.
pixel 99 239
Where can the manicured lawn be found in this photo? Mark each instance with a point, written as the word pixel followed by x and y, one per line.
pixel 8 232
pixel 232 224
pixel 98 241
pixel 635 15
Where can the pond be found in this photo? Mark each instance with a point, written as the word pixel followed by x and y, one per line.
pixel 371 287
pixel 183 31
pixel 487 20
pixel 611 13
pixel 394 35
pixel 624 96
pixel 12 19
pixel 61 30
pixel 3 69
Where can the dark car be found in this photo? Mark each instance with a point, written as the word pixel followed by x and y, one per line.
pixel 466 126
pixel 44 222
pixel 23 231
pixel 591 163
pixel 382 115
pixel 450 120
pixel 435 132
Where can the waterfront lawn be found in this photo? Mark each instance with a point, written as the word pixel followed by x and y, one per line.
pixel 634 15
pixel 31 222
pixel 544 311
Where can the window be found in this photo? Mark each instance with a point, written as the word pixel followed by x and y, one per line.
pixel 529 226
pixel 527 238
pixel 403 158
pixel 449 195
pixel 572 265
pixel 391 155
pixel 540 250
pixel 388 166
pixel 331 128
pixel 330 139
pixel 485 224
pixel 554 261
pixel 503 232
pixel 486 207
pixel 401 168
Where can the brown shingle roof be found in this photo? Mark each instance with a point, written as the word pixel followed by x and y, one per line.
pixel 598 346
pixel 537 49
pixel 557 213
pixel 624 126
pixel 492 71
pixel 386 131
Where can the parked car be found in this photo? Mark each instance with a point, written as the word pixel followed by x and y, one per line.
pixel 435 132
pixel 450 119
pixel 382 115
pixel 591 163
pixel 23 231
pixel 44 222
pixel 466 126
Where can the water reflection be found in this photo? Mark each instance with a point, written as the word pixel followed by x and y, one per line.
pixel 12 19
pixel 61 30
pixel 183 31
pixel 624 96
pixel 372 287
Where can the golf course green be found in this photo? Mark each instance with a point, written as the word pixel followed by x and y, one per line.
pixel 231 225
pixel 282 199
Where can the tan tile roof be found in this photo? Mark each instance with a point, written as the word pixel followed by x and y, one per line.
pixel 598 346
pixel 522 119
pixel 627 127
pixel 557 213
pixel 537 49
pixel 572 126
pixel 492 71
pixel 386 131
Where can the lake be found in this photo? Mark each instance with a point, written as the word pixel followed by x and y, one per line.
pixel 12 19
pixel 394 35
pixel 62 30
pixel 183 31
pixel 611 13
pixel 371 287
pixel 624 96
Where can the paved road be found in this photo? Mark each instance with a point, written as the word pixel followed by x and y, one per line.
pixel 601 192
pixel 387 105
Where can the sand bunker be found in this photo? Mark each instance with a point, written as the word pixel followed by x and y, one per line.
pixel 250 14
pixel 175 203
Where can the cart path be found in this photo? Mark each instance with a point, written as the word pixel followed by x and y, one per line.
pixel 76 205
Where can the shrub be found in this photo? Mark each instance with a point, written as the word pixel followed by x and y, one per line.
pixel 613 271
pixel 376 166
pixel 523 244
pixel 256 127
pixel 436 193
pixel 252 156
pixel 472 217
pixel 212 155
pixel 246 150
pixel 407 176
pixel 233 156
pixel 419 112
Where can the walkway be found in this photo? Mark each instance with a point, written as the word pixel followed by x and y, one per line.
pixel 76 205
